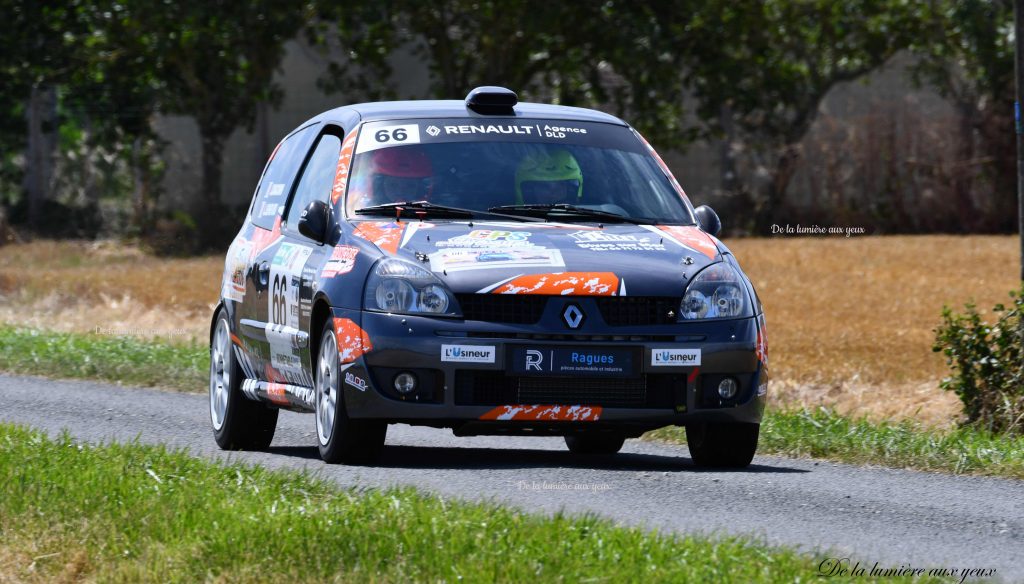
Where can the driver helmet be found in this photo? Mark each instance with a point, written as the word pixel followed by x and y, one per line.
pixel 548 178
pixel 397 175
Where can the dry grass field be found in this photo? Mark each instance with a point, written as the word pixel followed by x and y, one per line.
pixel 850 320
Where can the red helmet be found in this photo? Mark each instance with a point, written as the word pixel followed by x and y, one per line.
pixel 396 174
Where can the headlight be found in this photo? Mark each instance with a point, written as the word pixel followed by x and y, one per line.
pixel 716 292
pixel 405 288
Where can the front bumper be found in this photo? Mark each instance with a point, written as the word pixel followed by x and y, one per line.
pixel 484 396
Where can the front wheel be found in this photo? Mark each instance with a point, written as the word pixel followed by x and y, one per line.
pixel 341 439
pixel 239 423
pixel 722 445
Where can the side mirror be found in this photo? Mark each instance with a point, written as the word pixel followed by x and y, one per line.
pixel 314 221
pixel 708 220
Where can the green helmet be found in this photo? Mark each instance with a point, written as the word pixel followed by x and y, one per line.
pixel 556 170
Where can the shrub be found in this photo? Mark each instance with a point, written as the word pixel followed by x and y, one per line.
pixel 987 363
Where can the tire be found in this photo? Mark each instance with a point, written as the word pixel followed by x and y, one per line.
pixel 609 443
pixel 341 440
pixel 239 423
pixel 722 445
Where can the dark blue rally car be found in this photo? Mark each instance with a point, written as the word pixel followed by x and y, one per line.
pixel 488 266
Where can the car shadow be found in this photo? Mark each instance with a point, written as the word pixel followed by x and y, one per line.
pixel 453 458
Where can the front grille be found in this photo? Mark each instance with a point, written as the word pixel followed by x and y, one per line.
pixel 507 308
pixel 496 388
pixel 638 310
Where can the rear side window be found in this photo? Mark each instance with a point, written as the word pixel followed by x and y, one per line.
pixel 277 178
pixel 318 177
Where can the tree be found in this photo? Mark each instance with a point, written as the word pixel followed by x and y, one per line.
pixel 613 55
pixel 967 55
pixel 42 42
pixel 217 63
pixel 766 65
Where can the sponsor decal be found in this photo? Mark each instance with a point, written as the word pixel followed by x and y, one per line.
pixel 675 357
pixel 268 209
pixel 490 129
pixel 285 281
pixel 560 284
pixel 387 136
pixel 454 260
pixel 235 266
pixel 353 342
pixel 275 189
pixel 433 130
pixel 468 353
pixel 602 241
pixel 355 381
pixel 384 234
pixel 568 361
pixel 762 389
pixel 342 260
pixel 691 238
pixel 344 163
pixel 544 413
pixel 277 393
pixel 489 239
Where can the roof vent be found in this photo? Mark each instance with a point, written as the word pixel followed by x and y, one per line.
pixel 493 101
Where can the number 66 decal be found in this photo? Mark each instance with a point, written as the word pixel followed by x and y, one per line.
pixel 385 136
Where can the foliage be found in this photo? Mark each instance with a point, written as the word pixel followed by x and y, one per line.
pixel 988 364
pixel 524 45
pixel 766 66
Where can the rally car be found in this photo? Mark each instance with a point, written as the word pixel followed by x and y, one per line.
pixel 488 266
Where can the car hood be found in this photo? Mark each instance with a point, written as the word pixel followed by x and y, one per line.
pixel 549 258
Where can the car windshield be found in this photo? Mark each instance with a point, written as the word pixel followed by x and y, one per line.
pixel 519 165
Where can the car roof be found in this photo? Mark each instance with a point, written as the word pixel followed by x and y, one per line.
pixel 389 110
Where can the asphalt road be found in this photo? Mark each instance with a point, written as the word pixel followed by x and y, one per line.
pixel 893 517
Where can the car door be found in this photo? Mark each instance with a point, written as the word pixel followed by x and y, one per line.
pixel 294 266
pixel 266 216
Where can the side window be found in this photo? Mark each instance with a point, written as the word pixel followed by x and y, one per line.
pixel 277 178
pixel 317 178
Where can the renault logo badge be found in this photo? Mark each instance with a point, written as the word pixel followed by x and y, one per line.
pixel 573 316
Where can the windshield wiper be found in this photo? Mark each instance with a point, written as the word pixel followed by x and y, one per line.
pixel 428 209
pixel 561 209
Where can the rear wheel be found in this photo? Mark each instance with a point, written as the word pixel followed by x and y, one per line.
pixel 722 445
pixel 239 423
pixel 341 439
pixel 595 443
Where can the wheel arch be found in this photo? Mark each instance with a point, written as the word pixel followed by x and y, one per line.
pixel 213 319
pixel 317 317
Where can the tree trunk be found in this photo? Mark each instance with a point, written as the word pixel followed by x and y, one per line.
pixel 729 182
pixel 211 209
pixel 41 118
pixel 140 186
pixel 963 169
pixel 773 208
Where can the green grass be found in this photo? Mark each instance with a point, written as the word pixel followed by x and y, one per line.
pixel 824 434
pixel 92 356
pixel 126 512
